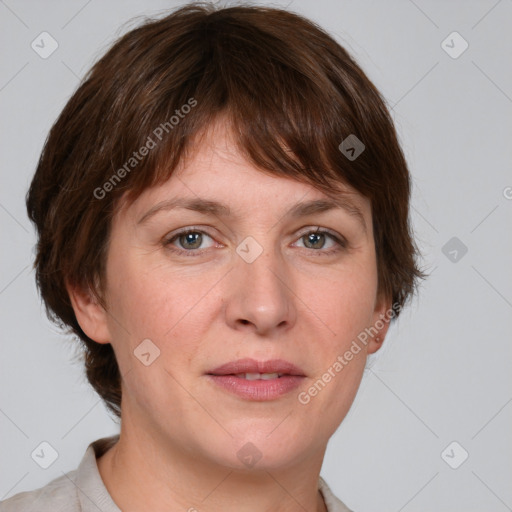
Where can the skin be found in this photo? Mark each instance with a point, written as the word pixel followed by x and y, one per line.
pixel 180 433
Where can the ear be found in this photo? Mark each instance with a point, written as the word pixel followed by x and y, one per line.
pixel 381 317
pixel 91 315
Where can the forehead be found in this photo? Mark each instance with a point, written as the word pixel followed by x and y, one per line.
pixel 215 177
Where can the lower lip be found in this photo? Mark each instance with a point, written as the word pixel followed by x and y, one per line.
pixel 258 389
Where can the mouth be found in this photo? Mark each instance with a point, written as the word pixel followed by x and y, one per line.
pixel 253 370
pixel 257 380
pixel 259 376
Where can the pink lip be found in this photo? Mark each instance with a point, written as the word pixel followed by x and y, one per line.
pixel 257 390
pixel 252 366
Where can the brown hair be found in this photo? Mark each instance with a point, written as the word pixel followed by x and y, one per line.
pixel 291 93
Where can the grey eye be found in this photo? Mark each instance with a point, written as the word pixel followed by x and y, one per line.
pixel 314 240
pixel 191 240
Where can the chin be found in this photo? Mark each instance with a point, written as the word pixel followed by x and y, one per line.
pixel 256 450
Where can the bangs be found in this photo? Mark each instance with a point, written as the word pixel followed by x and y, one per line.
pixel 286 114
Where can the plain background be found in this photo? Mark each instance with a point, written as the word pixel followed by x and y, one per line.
pixel 444 374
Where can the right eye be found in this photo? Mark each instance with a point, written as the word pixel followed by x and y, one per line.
pixel 189 239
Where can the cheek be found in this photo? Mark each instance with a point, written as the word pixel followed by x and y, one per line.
pixel 345 304
pixel 151 303
pixel 157 302
pixel 344 301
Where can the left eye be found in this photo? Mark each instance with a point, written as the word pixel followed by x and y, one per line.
pixel 316 239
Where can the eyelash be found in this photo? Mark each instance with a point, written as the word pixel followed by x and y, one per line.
pixel 340 241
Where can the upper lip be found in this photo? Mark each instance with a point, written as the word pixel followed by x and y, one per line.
pixel 253 366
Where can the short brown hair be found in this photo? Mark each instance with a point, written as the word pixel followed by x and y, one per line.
pixel 291 93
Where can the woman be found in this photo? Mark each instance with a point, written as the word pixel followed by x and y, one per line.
pixel 222 211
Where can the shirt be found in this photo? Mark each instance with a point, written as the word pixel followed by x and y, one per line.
pixel 83 490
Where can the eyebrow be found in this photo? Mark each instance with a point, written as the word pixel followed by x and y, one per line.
pixel 214 208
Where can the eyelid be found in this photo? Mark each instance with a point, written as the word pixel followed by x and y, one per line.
pixel 319 229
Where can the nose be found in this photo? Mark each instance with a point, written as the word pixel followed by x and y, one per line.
pixel 261 298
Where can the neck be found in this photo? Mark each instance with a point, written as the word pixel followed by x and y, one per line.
pixel 142 474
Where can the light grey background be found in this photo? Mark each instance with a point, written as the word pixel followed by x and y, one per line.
pixel 445 372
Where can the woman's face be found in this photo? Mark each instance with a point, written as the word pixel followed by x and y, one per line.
pixel 252 283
